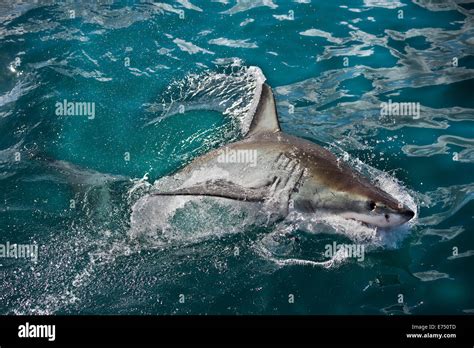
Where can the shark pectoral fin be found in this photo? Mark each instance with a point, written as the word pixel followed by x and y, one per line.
pixel 265 118
pixel 220 188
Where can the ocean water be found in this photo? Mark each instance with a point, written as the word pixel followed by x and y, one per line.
pixel 169 81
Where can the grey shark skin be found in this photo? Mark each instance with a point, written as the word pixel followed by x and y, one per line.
pixel 286 172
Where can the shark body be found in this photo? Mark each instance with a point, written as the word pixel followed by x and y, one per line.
pixel 282 172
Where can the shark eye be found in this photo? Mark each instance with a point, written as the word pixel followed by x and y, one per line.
pixel 371 205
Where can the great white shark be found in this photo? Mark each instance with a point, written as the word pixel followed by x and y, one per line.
pixel 284 172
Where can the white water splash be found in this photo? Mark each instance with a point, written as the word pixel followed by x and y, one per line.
pixel 234 92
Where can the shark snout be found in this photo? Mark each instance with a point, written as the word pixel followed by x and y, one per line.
pixel 395 218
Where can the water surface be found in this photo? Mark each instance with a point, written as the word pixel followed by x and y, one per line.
pixel 170 82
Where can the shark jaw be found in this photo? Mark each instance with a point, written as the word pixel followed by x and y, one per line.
pixel 386 221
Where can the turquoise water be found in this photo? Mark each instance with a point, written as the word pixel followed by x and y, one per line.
pixel 169 82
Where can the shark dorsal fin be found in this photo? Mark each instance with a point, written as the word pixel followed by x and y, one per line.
pixel 265 118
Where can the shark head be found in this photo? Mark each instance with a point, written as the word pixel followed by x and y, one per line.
pixel 352 196
pixel 379 211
